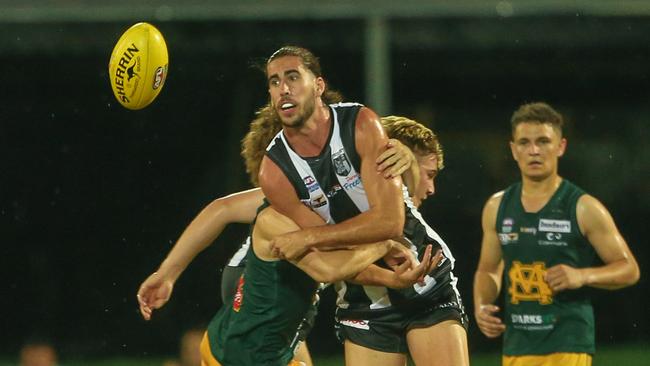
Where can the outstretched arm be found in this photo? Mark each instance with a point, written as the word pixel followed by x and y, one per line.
pixel 240 207
pixel 487 279
pixel 620 268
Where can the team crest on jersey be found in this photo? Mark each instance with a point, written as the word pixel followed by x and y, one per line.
pixel 341 163
pixel 527 283
pixel 239 295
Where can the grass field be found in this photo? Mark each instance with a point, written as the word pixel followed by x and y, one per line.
pixel 632 355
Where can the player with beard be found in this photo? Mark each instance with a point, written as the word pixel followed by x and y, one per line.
pixel 321 167
pixel 156 290
pixel 240 207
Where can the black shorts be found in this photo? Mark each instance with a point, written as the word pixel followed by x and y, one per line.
pixel 385 331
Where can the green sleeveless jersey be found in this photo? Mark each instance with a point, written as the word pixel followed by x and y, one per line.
pixel 259 327
pixel 537 320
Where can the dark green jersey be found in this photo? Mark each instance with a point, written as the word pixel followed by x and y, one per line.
pixel 537 320
pixel 259 327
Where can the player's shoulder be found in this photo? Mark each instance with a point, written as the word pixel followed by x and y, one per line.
pixel 496 198
pixel 590 209
pixel 270 174
pixel 490 210
pixel 588 201
pixel 367 114
pixel 367 121
pixel 492 204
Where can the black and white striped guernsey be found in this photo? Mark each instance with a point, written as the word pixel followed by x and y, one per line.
pixel 330 184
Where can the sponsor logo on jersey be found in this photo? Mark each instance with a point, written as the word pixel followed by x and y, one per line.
pixel 508 238
pixel 553 239
pixel 527 283
pixel 359 324
pixel 332 192
pixel 558 226
pixel 318 201
pixel 352 182
pixel 533 321
pixel 341 163
pixel 528 230
pixel 311 183
pixel 553 236
pixel 526 318
pixel 507 225
pixel 239 295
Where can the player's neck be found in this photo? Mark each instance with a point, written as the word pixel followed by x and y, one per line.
pixel 310 138
pixel 536 193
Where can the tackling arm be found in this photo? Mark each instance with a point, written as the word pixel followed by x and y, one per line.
pixel 383 220
pixel 322 266
pixel 240 207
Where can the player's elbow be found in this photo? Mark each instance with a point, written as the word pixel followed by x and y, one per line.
pixel 218 207
pixel 628 276
pixel 635 274
pixel 632 273
pixel 322 274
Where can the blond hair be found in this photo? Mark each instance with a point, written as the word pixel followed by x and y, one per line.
pixel 417 137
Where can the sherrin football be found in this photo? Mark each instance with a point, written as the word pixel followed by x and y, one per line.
pixel 138 66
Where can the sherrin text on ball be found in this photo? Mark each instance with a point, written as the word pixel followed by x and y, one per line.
pixel 138 66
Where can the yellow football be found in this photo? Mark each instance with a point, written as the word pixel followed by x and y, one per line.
pixel 138 66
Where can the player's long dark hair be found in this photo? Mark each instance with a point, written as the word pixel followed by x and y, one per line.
pixel 267 123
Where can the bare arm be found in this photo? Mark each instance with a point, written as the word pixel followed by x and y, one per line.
pixel 341 264
pixel 322 266
pixel 402 275
pixel 282 196
pixel 240 207
pixel 398 159
pixel 620 268
pixel 383 220
pixel 488 276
